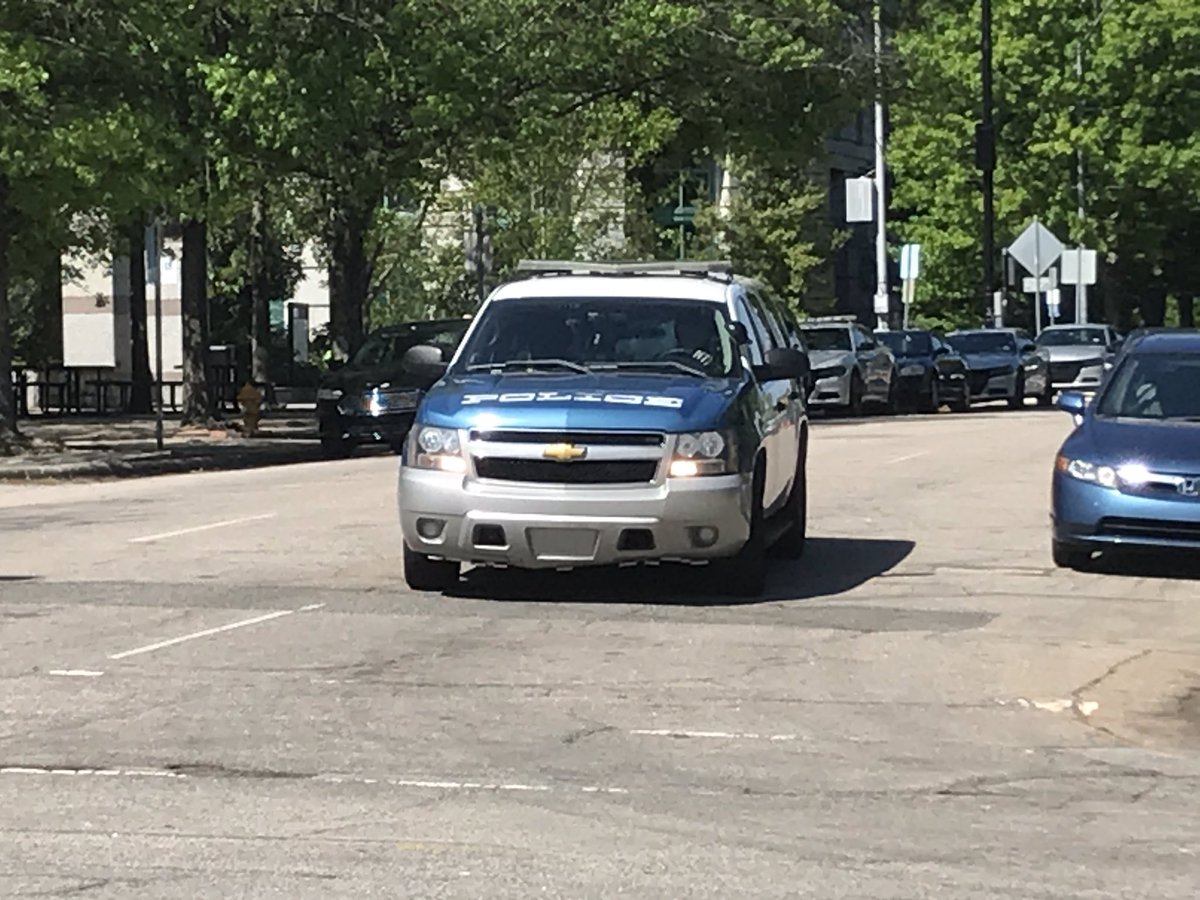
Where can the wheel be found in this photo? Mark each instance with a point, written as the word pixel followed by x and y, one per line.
pixel 962 403
pixel 791 544
pixel 1017 400
pixel 1046 397
pixel 335 445
pixel 745 575
pixel 933 402
pixel 890 404
pixel 425 574
pixel 855 406
pixel 1068 556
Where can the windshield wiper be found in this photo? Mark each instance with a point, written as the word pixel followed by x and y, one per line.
pixel 652 365
pixel 530 364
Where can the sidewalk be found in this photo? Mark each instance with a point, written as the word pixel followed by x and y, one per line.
pixel 112 447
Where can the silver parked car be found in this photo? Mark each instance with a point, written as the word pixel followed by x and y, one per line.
pixel 1078 354
pixel 849 367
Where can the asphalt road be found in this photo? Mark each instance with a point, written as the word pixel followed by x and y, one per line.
pixel 217 686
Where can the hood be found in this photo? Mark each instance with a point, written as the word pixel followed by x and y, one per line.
pixel 358 379
pixel 823 359
pixel 1160 446
pixel 1074 352
pixel 624 401
pixel 989 360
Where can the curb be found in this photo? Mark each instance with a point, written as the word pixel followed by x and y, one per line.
pixel 115 467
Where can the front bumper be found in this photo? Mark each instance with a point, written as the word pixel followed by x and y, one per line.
pixel 1086 380
pixel 834 391
pixel 992 384
pixel 539 526
pixel 1087 515
pixel 364 428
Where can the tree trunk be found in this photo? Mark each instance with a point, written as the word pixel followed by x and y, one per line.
pixel 260 303
pixel 1187 311
pixel 350 272
pixel 140 395
pixel 8 411
pixel 197 408
pixel 47 338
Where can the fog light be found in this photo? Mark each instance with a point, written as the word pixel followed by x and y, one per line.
pixel 430 529
pixel 703 536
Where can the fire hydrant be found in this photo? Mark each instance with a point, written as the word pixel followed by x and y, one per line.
pixel 250 399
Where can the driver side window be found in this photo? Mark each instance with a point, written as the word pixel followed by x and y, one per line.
pixel 756 348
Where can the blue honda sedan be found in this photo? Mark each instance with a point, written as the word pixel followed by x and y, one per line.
pixel 1129 475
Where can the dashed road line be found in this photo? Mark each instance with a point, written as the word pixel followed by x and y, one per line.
pixel 278 614
pixel 76 673
pixel 719 735
pixel 151 538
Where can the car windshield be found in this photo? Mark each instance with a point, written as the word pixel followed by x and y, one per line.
pixel 1071 337
pixel 983 342
pixel 386 347
pixel 589 333
pixel 827 338
pixel 1154 386
pixel 905 343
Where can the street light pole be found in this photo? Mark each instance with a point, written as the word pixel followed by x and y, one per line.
pixel 985 157
pixel 1081 291
pixel 881 258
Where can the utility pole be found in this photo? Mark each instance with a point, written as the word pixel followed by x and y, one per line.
pixel 985 158
pixel 1081 291
pixel 882 294
pixel 154 271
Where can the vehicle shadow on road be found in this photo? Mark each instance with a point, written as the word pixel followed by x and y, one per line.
pixel 831 566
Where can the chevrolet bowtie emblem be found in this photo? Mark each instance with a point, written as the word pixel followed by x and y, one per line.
pixel 564 452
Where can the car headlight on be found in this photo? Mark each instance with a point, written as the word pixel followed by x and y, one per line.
pixel 913 369
pixel 1129 475
pixel 437 448
pixel 329 394
pixel 703 453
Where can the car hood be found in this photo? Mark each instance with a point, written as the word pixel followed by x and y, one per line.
pixel 624 401
pixel 989 360
pixel 363 379
pixel 823 359
pixel 1160 446
pixel 1074 353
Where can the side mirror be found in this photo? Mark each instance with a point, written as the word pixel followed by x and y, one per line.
pixel 1029 348
pixel 741 334
pixel 424 362
pixel 941 351
pixel 784 364
pixel 1072 402
pixel 335 364
pixel 867 346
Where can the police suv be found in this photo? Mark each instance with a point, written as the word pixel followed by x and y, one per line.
pixel 611 414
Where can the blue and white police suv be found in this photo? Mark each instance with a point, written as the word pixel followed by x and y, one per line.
pixel 611 414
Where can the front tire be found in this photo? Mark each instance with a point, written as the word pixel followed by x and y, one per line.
pixel 425 574
pixel 335 445
pixel 1068 556
pixel 1017 400
pixel 745 575
pixel 855 407
pixel 1046 397
pixel 933 402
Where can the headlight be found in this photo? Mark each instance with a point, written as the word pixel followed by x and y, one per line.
pixel 437 448
pixel 1130 475
pixel 914 369
pixel 329 394
pixel 703 453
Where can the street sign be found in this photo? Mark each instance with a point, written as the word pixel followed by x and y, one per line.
pixel 910 262
pixel 860 199
pixel 1079 266
pixel 1040 285
pixel 1053 303
pixel 883 304
pixel 1037 248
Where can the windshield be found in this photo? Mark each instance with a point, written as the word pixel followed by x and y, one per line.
pixel 385 347
pixel 588 333
pixel 827 338
pixel 1154 386
pixel 905 343
pixel 1071 337
pixel 983 342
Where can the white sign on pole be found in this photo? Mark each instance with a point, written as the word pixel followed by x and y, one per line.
pixel 1079 266
pixel 883 304
pixel 860 200
pixel 1047 282
pixel 1037 249
pixel 910 262
pixel 1053 303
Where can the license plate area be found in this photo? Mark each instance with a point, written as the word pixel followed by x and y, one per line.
pixel 563 544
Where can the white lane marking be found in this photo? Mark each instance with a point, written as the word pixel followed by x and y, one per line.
pixel 722 735
pixel 278 614
pixel 76 673
pixel 332 778
pixel 900 459
pixel 209 527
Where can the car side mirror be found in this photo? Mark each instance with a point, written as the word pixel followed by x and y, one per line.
pixel 784 364
pixel 941 351
pixel 1072 402
pixel 867 346
pixel 741 334
pixel 424 361
pixel 1029 348
pixel 335 364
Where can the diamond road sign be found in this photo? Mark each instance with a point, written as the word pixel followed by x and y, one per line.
pixel 1037 249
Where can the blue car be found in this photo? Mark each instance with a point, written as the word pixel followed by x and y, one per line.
pixel 1129 475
